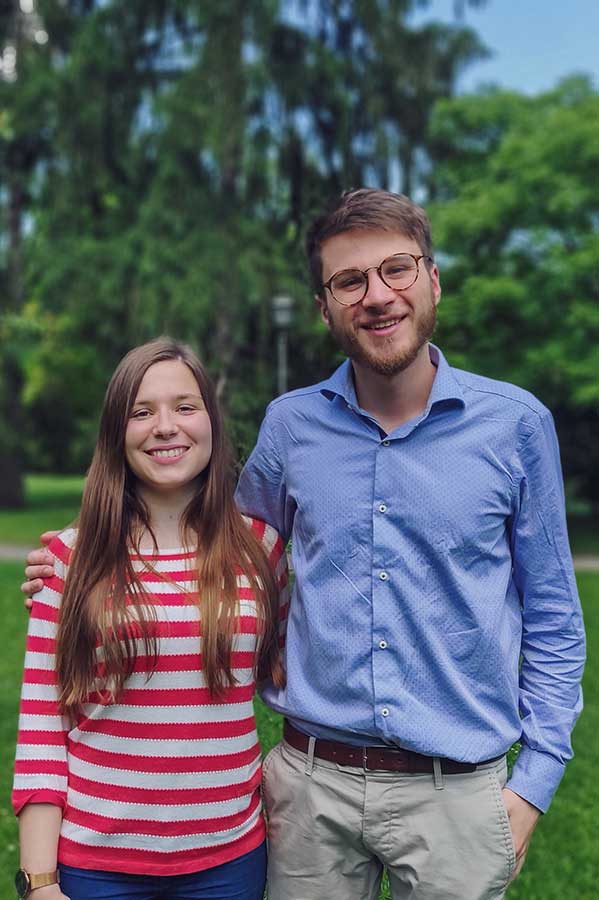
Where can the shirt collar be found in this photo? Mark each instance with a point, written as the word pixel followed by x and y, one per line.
pixel 445 386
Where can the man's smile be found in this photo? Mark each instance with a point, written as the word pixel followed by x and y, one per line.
pixel 384 324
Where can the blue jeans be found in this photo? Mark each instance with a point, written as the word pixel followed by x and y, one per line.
pixel 240 879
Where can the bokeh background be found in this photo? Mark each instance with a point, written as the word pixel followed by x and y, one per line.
pixel 159 161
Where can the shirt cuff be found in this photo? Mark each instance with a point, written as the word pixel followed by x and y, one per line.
pixel 21 799
pixel 536 777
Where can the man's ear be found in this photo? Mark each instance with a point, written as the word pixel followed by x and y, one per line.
pixel 323 308
pixel 436 283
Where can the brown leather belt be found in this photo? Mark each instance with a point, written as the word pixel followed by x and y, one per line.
pixel 384 759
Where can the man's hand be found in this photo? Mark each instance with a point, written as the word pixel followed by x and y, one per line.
pixel 40 564
pixel 523 818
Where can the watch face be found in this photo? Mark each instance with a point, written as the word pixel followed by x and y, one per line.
pixel 22 883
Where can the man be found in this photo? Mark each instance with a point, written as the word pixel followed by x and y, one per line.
pixel 435 619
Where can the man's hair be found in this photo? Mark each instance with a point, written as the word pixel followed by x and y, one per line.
pixel 366 209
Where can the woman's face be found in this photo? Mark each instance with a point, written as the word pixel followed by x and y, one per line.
pixel 168 441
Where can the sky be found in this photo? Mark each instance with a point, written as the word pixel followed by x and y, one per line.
pixel 534 42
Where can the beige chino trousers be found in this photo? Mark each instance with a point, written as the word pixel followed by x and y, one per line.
pixel 332 828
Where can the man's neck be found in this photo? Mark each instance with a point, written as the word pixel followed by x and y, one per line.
pixel 395 399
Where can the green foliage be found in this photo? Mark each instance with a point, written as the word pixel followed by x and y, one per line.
pixel 51 503
pixel 14 625
pixel 167 154
pixel 516 215
pixel 161 158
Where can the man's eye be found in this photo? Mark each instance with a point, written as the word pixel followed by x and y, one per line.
pixel 399 267
pixel 349 282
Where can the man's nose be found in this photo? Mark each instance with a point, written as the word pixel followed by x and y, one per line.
pixel 377 293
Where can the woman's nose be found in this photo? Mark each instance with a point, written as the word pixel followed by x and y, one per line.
pixel 165 424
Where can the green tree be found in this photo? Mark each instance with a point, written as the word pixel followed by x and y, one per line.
pixel 185 143
pixel 23 144
pixel 516 216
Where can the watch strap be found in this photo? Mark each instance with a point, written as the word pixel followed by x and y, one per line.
pixel 42 880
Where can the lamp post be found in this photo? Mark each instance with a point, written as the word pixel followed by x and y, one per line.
pixel 282 312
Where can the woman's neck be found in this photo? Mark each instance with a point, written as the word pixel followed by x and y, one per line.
pixel 166 516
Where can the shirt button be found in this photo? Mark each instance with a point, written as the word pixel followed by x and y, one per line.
pixel 386 443
pixel 384 711
pixel 382 507
pixel 383 644
pixel 383 576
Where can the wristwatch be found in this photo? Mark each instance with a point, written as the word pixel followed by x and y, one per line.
pixel 25 882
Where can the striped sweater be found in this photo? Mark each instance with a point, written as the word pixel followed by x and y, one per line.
pixel 167 780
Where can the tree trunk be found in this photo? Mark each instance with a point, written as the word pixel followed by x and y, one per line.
pixel 12 490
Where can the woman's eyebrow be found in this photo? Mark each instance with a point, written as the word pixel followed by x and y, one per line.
pixel 144 402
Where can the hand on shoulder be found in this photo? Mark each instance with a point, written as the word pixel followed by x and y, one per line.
pixel 40 564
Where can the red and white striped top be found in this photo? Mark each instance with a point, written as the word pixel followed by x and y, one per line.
pixel 167 780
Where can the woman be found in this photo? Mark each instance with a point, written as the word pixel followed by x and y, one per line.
pixel 138 766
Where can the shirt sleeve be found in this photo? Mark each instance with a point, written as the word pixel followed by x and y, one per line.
pixel 41 757
pixel 553 645
pixel 277 557
pixel 262 489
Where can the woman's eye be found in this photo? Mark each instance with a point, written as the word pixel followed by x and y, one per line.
pixel 141 414
pixel 186 409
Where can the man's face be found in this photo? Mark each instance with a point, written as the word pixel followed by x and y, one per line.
pixel 386 331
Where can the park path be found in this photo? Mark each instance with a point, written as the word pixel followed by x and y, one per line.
pixel 586 563
pixel 13 552
pixel 16 553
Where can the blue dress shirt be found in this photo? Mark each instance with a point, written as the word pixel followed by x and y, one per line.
pixel 435 604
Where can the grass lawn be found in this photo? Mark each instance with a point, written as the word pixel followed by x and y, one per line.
pixel 563 862
pixel 14 624
pixel 52 502
pixel 584 535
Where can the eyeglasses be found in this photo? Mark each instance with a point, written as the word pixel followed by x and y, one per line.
pixel 398 272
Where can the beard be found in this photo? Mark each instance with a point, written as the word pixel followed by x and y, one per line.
pixel 395 359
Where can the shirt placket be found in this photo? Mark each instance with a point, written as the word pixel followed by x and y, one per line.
pixel 383 587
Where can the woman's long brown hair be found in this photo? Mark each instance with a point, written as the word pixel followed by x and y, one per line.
pixel 104 600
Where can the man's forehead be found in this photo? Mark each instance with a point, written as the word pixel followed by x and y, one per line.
pixel 361 248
